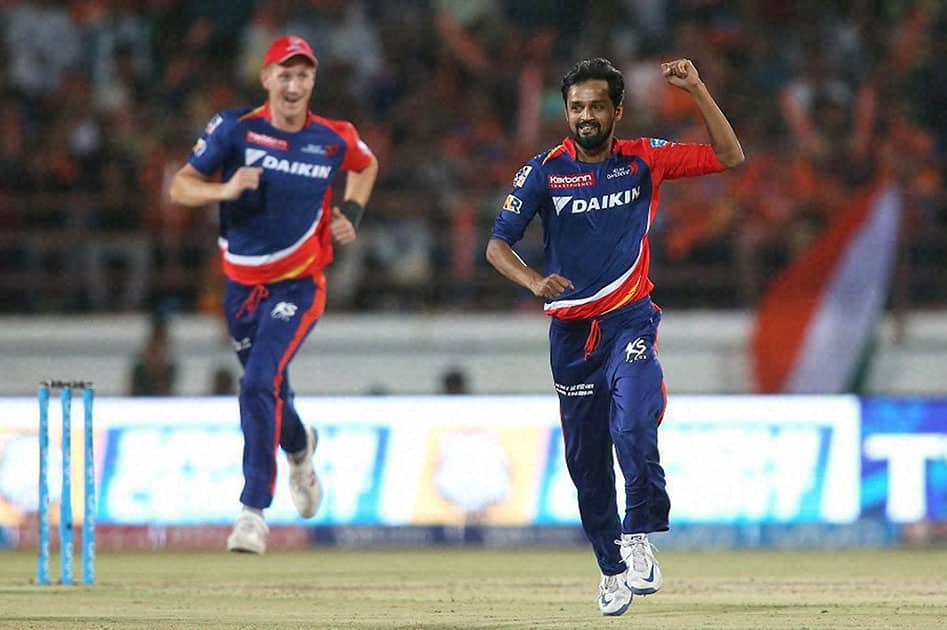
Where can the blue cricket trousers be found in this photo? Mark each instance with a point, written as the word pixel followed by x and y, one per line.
pixel 611 392
pixel 268 323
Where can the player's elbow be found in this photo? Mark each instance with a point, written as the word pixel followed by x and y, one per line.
pixel 494 251
pixel 182 190
pixel 174 192
pixel 365 178
pixel 370 171
pixel 732 158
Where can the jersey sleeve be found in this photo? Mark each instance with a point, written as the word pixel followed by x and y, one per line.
pixel 521 204
pixel 670 160
pixel 357 154
pixel 207 154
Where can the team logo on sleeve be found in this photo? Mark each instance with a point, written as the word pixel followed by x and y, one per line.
pixel 513 204
pixel 658 142
pixel 519 180
pixel 213 124
pixel 199 147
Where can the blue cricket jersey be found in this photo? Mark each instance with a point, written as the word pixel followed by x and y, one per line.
pixel 596 216
pixel 280 230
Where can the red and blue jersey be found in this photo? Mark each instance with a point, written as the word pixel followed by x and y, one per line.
pixel 596 217
pixel 281 230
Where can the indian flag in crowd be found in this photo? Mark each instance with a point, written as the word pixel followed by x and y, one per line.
pixel 816 323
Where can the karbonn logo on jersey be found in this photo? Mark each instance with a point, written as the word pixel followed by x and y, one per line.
pixel 318 171
pixel 267 141
pixel 604 202
pixel 576 180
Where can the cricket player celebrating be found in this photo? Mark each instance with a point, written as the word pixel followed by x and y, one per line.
pixel 597 196
pixel 277 228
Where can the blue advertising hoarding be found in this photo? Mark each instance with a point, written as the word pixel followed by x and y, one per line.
pixel 904 459
pixel 732 461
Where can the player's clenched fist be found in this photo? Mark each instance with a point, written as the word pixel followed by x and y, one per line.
pixel 681 73
pixel 343 232
pixel 551 286
pixel 246 178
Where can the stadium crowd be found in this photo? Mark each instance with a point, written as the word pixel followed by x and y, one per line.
pixel 100 101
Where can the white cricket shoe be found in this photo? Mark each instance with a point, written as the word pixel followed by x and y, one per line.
pixel 644 572
pixel 249 534
pixel 614 596
pixel 304 485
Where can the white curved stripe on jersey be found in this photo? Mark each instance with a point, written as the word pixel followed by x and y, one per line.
pixel 603 292
pixel 264 259
pixel 611 286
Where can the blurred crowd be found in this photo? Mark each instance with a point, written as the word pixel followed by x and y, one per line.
pixel 100 102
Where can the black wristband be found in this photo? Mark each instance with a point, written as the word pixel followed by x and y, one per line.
pixel 353 211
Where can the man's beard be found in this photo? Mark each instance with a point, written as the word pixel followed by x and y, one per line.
pixel 594 142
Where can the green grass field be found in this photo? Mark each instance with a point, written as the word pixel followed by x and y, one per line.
pixel 464 588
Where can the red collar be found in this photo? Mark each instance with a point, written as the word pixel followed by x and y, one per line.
pixel 569 145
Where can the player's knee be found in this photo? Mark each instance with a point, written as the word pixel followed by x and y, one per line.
pixel 256 384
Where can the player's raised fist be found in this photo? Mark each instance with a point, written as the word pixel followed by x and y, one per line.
pixel 681 73
pixel 245 178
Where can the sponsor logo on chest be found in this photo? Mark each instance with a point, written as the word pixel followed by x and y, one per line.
pixel 267 141
pixel 601 202
pixel 292 167
pixel 572 180
pixel 328 150
pixel 623 171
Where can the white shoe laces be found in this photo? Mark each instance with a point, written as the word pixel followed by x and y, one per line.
pixel 609 584
pixel 639 548
pixel 302 479
pixel 251 523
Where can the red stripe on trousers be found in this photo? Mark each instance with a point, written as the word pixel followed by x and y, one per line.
pixel 305 323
